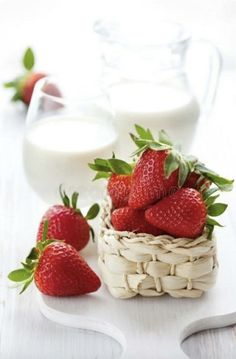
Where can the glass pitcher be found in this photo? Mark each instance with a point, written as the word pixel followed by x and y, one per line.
pixel 144 72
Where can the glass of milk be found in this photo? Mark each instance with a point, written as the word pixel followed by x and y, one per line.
pixel 144 71
pixel 66 128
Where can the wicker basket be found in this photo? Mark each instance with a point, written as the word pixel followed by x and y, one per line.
pixel 143 264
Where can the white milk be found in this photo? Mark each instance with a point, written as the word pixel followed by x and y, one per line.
pixel 57 151
pixel 155 107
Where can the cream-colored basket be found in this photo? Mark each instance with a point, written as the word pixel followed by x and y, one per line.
pixel 143 264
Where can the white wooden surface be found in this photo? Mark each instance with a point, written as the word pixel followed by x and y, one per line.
pixel 212 344
pixel 25 333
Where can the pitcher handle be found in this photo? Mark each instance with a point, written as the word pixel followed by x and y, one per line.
pixel 213 75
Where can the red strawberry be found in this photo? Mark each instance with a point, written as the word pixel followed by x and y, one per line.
pixel 132 220
pixel 119 188
pixel 67 223
pixel 119 174
pixel 28 85
pixel 24 84
pixel 61 271
pixel 193 181
pixel 148 182
pixel 57 269
pixel 182 214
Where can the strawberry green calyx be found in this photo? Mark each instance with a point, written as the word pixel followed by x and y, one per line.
pixel 72 203
pixel 222 183
pixel 92 212
pixel 106 167
pixel 144 140
pixel 24 276
pixel 213 209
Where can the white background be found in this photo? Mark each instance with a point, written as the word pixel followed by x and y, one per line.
pixel 61 31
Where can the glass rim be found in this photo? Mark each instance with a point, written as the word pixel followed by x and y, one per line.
pixel 102 27
pixel 55 80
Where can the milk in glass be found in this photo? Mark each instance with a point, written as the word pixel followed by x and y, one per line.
pixel 57 151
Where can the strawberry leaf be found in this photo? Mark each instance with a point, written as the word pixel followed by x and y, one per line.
pixel 28 59
pixel 209 192
pixel 183 172
pixel 139 141
pixel 102 162
pixel 139 150
pixel 10 84
pixel 210 230
pixel 65 199
pixel 28 266
pixel 100 175
pixel 210 200
pixel 16 97
pixel 19 275
pixel 27 283
pixel 213 222
pixel 98 167
pixel 74 199
pixel 113 165
pixel 144 133
pixel 222 183
pixel 92 212
pixel 119 166
pixel 164 138
pixel 171 164
pixel 216 209
pixel 33 254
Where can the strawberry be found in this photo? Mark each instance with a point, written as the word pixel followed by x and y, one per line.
pixel 119 175
pixel 132 220
pixel 24 84
pixel 57 269
pixel 182 214
pixel 149 183
pixel 185 213
pixel 67 223
pixel 119 188
pixel 28 85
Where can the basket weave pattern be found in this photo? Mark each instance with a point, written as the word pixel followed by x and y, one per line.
pixel 143 264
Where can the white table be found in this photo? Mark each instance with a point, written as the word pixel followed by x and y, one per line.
pixel 25 333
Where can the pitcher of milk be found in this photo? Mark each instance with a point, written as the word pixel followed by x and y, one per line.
pixel 144 72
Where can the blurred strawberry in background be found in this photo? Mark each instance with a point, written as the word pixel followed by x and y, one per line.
pixel 23 85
